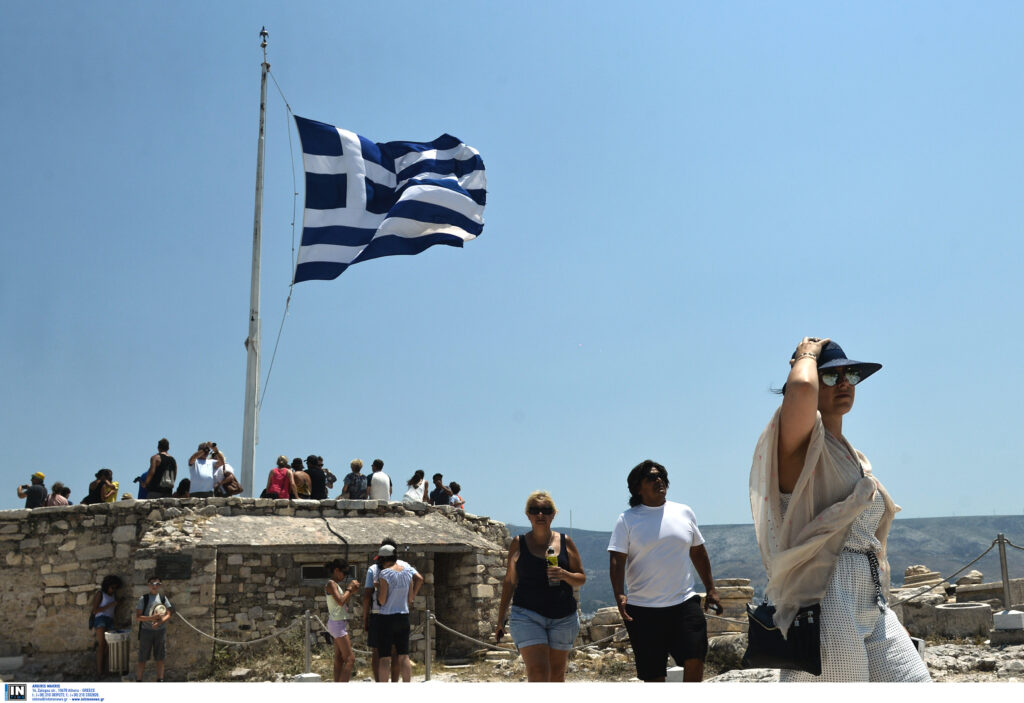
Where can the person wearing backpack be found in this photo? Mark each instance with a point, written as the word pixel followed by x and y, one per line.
pixel 163 471
pixel 153 611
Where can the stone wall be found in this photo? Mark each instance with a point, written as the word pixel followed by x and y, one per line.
pixel 54 559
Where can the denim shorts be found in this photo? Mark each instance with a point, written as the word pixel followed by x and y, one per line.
pixel 104 621
pixel 530 627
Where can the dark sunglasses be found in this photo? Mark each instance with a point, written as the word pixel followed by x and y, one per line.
pixel 538 510
pixel 831 378
pixel 650 477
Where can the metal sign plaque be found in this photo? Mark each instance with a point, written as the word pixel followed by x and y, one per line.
pixel 174 566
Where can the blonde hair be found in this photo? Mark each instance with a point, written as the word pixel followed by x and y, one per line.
pixel 356 464
pixel 541 497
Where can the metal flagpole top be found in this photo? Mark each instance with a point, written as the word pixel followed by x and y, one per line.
pixel 263 43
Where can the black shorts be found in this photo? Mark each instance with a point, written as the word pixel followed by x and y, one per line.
pixel 392 631
pixel 680 630
pixel 371 631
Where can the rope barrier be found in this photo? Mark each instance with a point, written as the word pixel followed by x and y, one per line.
pixel 1011 544
pixel 223 641
pixel 947 578
pixel 467 637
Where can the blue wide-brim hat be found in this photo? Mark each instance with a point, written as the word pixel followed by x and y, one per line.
pixel 833 357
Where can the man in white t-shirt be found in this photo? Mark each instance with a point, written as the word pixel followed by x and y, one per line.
pixel 654 549
pixel 380 482
pixel 203 469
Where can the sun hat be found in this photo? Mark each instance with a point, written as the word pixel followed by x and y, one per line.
pixel 832 357
pixel 386 551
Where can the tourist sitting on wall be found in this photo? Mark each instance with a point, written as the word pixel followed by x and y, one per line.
pixel 281 480
pixel 456 500
pixel 184 489
pixel 543 618
pixel 34 492
pixel 396 587
pixel 57 496
pixel 441 493
pixel 104 603
pixel 417 491
pixel 379 487
pixel 338 613
pixel 354 485
pixel 103 489
pixel 303 483
pixel 317 478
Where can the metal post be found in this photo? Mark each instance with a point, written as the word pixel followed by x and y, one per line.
pixel 252 342
pixel 309 660
pixel 429 655
pixel 1001 538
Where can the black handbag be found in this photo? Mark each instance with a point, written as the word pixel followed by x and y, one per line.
pixel 767 649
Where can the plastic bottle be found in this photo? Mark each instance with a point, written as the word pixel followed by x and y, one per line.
pixel 552 560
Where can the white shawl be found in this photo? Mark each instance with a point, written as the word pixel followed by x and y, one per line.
pixel 799 550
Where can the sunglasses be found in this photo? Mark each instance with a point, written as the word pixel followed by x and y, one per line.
pixel 652 476
pixel 831 378
pixel 537 510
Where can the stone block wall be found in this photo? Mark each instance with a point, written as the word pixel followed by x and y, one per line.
pixel 983 592
pixel 53 560
pixel 466 598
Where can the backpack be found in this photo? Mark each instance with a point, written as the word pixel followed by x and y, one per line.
pixel 166 483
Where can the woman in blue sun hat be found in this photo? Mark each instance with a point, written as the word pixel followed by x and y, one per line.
pixel 822 520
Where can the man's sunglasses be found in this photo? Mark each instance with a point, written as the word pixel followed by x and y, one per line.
pixel 538 510
pixel 831 378
pixel 652 476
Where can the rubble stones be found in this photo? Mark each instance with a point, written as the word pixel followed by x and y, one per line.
pixel 970 578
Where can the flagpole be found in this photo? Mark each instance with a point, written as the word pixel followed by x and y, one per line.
pixel 252 342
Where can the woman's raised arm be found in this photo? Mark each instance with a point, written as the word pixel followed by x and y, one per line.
pixel 799 411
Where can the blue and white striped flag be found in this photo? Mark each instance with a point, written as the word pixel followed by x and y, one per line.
pixel 365 200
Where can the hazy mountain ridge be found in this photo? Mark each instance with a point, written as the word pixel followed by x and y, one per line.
pixel 943 544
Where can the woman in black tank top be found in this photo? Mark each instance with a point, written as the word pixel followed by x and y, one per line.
pixel 544 621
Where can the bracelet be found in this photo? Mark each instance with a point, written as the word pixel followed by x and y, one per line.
pixel 805 355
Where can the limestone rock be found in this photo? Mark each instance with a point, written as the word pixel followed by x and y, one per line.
pixel 970 578
pixel 725 652
pixel 607 616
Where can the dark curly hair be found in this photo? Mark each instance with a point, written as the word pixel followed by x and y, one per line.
pixel 636 476
pixel 111 580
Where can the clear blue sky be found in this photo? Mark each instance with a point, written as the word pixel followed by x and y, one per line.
pixel 678 193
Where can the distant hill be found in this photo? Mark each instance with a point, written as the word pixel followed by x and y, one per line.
pixel 943 544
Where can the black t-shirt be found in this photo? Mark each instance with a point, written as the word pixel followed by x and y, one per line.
pixel 318 482
pixel 439 496
pixel 36 496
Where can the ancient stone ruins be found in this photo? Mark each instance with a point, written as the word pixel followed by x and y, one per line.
pixel 235 568
pixel 241 569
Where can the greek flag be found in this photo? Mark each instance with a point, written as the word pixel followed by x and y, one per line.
pixel 365 200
